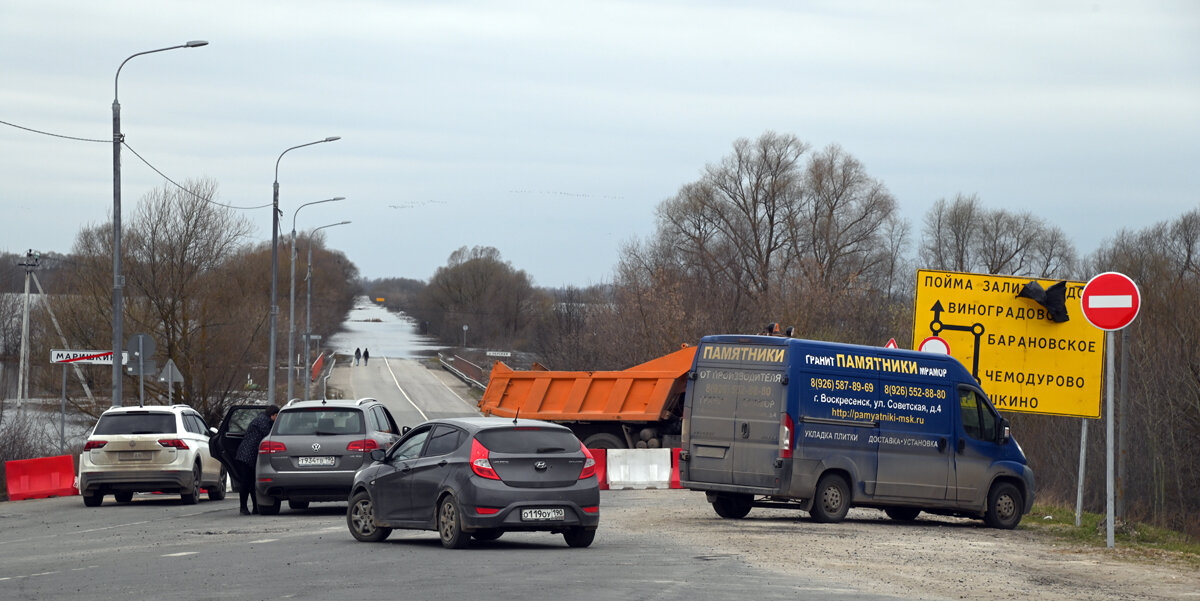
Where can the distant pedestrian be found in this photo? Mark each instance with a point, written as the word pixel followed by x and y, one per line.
pixel 366 356
pixel 247 456
pixel 357 356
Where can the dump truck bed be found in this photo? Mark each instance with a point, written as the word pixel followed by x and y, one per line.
pixel 643 393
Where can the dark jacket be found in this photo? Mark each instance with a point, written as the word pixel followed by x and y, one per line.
pixel 259 428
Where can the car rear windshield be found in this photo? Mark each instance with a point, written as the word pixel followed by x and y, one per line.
pixel 136 423
pixel 319 421
pixel 528 440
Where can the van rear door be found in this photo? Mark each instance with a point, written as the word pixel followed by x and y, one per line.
pixel 734 421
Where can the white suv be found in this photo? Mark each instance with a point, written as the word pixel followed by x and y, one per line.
pixel 144 449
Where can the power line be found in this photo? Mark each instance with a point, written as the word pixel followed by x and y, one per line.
pixel 141 158
pixel 46 133
pixel 164 176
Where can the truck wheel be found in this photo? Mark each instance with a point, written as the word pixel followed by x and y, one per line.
pixel 1004 506
pixel 732 507
pixel 832 499
pixel 603 440
pixel 902 514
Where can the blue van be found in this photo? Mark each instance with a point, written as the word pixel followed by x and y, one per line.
pixel 822 427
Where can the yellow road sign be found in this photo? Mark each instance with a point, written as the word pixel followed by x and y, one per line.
pixel 1024 360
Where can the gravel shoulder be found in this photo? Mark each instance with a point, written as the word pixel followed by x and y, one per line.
pixel 932 558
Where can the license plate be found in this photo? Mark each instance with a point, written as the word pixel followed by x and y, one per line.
pixel 134 455
pixel 542 515
pixel 317 461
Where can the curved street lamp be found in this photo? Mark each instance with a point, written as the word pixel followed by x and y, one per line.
pixel 119 279
pixel 308 305
pixel 275 266
pixel 292 302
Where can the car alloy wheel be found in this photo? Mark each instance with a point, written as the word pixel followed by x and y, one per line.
pixel 360 518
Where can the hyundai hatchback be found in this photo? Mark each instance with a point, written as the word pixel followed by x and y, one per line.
pixel 479 477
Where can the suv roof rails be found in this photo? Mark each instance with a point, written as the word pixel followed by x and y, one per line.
pixel 289 403
pixel 365 400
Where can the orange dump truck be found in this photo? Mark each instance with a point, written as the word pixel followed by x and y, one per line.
pixel 637 407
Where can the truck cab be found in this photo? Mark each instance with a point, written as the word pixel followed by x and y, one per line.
pixel 823 427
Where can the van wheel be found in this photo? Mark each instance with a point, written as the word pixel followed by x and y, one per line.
pixel 603 440
pixel 902 514
pixel 93 500
pixel 1004 506
pixel 832 500
pixel 732 507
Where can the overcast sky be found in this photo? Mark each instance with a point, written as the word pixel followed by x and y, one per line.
pixel 551 130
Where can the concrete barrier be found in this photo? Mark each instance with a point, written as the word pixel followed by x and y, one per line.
pixel 639 468
pixel 40 478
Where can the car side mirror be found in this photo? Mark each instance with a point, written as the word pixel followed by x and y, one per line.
pixel 212 431
pixel 377 455
pixel 404 430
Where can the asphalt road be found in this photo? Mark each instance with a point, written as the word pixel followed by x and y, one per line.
pixel 157 548
pixel 409 389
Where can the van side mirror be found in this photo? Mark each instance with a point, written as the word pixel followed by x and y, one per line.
pixel 1005 431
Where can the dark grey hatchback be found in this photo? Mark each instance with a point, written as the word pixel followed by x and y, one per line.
pixel 478 477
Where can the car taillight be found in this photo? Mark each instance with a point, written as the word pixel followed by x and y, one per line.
pixel 267 447
pixel 487 510
pixel 173 443
pixel 589 464
pixel 362 446
pixel 592 509
pixel 94 444
pixel 479 461
pixel 785 436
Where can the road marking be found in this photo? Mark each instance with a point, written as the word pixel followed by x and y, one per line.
pixel 406 397
pixel 180 554
pixel 263 541
pixel 472 407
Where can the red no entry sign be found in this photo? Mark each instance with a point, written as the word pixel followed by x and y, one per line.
pixel 1110 301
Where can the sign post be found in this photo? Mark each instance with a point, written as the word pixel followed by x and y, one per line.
pixel 1110 302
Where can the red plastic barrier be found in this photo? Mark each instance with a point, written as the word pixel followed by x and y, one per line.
pixel 40 478
pixel 675 468
pixel 601 457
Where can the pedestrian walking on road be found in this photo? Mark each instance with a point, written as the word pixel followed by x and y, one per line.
pixel 357 356
pixel 366 356
pixel 247 456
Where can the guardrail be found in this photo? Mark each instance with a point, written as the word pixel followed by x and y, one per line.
pixel 465 370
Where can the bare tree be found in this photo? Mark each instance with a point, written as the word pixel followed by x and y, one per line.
pixel 964 236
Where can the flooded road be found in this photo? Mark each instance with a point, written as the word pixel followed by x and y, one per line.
pixel 371 327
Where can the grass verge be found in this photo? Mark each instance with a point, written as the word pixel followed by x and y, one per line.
pixel 1135 541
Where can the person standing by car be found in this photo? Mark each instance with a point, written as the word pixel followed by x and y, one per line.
pixel 366 356
pixel 247 456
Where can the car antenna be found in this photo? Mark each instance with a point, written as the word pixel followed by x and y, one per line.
pixel 516 414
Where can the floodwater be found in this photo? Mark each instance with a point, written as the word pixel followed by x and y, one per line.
pixel 386 334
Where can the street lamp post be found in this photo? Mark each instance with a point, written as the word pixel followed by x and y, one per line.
pixel 292 301
pixel 308 301
pixel 275 267
pixel 118 278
